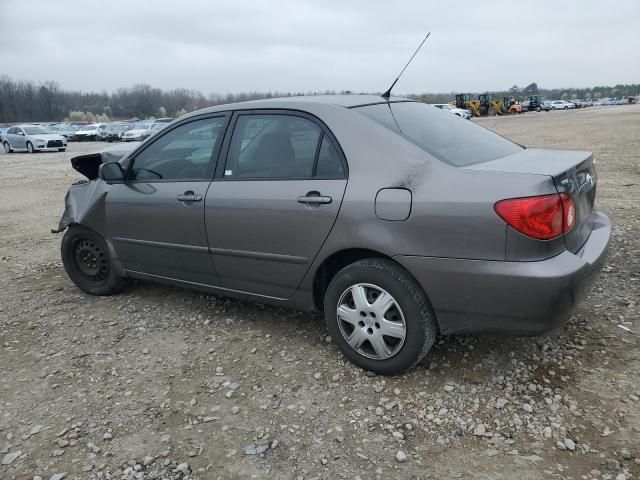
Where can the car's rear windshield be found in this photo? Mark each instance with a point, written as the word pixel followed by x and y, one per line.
pixel 450 138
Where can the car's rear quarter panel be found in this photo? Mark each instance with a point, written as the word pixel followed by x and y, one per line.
pixel 452 215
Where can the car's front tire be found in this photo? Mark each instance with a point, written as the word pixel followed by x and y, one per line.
pixel 30 148
pixel 379 316
pixel 87 261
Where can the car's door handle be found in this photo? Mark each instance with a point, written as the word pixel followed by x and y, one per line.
pixel 315 199
pixel 189 196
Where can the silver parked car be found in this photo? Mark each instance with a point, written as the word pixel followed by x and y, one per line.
pixel 153 129
pixel 398 220
pixel 32 138
pixel 461 112
pixel 137 132
pixel 66 130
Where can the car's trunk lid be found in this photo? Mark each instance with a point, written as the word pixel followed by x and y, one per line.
pixel 573 173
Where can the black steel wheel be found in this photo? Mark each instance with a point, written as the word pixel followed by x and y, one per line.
pixel 86 259
pixel 91 260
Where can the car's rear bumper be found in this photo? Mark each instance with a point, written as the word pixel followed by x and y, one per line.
pixel 522 298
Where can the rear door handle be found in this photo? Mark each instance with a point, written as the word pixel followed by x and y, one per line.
pixel 189 196
pixel 315 199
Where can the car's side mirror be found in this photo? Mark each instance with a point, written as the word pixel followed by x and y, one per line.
pixel 21 133
pixel 111 172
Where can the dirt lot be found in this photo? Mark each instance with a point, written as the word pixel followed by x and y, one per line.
pixel 159 382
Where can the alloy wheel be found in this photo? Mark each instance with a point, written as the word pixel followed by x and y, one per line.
pixel 371 321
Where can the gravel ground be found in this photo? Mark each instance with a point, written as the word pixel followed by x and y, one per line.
pixel 159 382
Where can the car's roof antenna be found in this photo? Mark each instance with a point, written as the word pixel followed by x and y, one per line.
pixel 387 94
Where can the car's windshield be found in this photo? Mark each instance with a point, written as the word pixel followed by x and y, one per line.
pixel 88 127
pixel 34 130
pixel 447 137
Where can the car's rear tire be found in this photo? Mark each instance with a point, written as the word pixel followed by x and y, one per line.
pixel 86 259
pixel 30 148
pixel 387 337
pixel 538 109
pixel 7 147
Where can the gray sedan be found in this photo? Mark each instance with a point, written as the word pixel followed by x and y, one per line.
pixel 32 138
pixel 399 221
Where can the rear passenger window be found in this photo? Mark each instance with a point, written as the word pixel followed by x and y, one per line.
pixel 329 161
pixel 272 146
pixel 281 147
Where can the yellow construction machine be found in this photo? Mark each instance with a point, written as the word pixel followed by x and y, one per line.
pixel 465 100
pixel 486 104
pixel 490 105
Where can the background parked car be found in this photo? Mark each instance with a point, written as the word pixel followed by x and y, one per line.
pixel 90 132
pixel 3 130
pixel 155 127
pixel 562 105
pixel 461 112
pixel 66 130
pixel 536 103
pixel 164 120
pixel 114 131
pixel 138 132
pixel 32 138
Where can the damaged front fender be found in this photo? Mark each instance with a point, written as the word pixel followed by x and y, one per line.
pixel 85 200
pixel 84 204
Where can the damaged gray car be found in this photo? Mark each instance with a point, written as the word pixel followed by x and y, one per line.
pixel 399 221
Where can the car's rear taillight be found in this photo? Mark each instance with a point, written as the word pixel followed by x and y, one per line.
pixel 544 217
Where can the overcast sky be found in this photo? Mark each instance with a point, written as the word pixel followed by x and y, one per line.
pixel 302 45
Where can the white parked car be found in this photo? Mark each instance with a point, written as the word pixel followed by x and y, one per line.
pixel 139 132
pixel 562 105
pixel 90 132
pixel 461 112
pixel 32 138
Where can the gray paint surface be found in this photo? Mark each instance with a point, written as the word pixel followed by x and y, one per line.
pixel 393 204
pixel 254 240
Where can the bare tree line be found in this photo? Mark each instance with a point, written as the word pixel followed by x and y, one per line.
pixel 27 101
